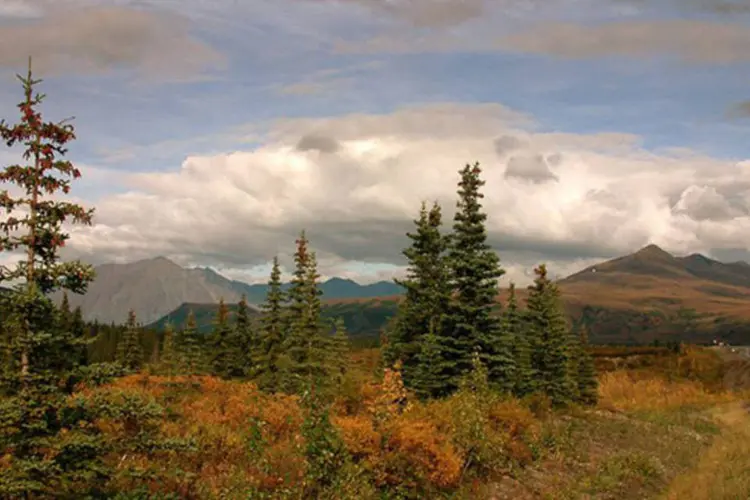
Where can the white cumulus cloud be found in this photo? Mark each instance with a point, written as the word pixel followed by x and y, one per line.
pixel 357 199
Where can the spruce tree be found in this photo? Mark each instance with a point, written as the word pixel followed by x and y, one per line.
pixel 155 357
pixel 72 321
pixel 427 294
pixel 475 271
pixel 81 333
pixel 585 372
pixel 221 343
pixel 66 315
pixel 515 327
pixel 551 356
pixel 271 344
pixel 168 359
pixel 50 447
pixel 339 352
pixel 433 372
pixel 305 345
pixel 189 348
pixel 129 350
pixel 242 343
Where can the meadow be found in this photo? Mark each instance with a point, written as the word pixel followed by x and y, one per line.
pixel 664 427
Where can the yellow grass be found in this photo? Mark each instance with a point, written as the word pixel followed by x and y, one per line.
pixel 723 473
pixel 624 391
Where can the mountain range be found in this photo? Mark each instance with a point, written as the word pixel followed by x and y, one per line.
pixel 155 287
pixel 638 298
pixel 647 295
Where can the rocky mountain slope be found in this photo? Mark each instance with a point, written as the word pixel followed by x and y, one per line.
pixel 155 287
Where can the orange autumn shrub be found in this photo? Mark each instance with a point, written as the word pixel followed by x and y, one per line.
pixel 246 440
pixel 390 396
pixel 361 439
pixel 415 449
pixel 514 418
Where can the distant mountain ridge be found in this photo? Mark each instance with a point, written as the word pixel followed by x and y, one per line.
pixel 155 287
pixel 334 288
pixel 653 262
pixel 636 298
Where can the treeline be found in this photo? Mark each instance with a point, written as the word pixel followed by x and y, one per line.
pixel 290 349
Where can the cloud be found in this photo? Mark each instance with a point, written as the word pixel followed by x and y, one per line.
pixel 532 168
pixel 506 144
pixel 100 39
pixel 312 142
pixel 554 159
pixel 718 43
pixel 704 203
pixel 237 210
pixel 328 80
pixel 19 10
pixel 423 13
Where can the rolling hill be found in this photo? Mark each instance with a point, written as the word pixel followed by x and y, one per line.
pixel 638 298
pixel 155 287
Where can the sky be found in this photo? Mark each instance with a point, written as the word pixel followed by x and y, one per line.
pixel 213 131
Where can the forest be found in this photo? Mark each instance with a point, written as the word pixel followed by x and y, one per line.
pixel 456 401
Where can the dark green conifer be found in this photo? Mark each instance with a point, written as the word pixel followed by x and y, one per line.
pixel 129 350
pixel 272 339
pixel 427 294
pixel 66 315
pixel 50 447
pixel 551 356
pixel 305 344
pixel 242 343
pixel 190 354
pixel 81 333
pixel 515 326
pixel 168 359
pixel 221 340
pixel 475 270
pixel 432 372
pixel 339 352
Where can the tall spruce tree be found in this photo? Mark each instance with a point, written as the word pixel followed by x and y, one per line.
pixel 475 270
pixel 243 343
pixel 189 348
pixel 72 321
pixel 168 359
pixel 82 333
pixel 551 356
pixel 273 331
pixel 515 326
pixel 427 295
pixel 66 315
pixel 222 349
pixel 129 349
pixel 339 352
pixel 305 344
pixel 50 447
